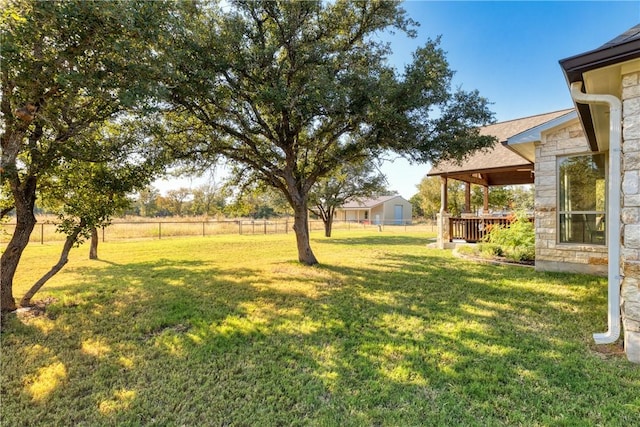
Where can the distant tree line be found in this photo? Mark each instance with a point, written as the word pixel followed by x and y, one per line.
pixel 207 200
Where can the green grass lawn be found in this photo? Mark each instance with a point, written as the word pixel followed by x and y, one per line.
pixel 229 330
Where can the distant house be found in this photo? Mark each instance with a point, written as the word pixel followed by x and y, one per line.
pixel 380 210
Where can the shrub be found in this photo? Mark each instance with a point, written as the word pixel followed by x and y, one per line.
pixel 517 241
pixel 524 253
pixel 491 249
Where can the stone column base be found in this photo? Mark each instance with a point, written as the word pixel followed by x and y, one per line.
pixel 443 230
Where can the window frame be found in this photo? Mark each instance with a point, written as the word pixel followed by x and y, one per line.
pixel 560 213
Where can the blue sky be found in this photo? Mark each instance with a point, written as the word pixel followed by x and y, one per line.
pixel 509 51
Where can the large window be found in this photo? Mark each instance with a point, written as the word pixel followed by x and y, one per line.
pixel 582 199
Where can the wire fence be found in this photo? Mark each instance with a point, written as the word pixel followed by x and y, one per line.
pixel 45 232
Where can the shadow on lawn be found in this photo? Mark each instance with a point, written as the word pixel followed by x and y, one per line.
pixel 381 239
pixel 407 340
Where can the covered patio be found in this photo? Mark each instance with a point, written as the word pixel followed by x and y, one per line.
pixel 497 166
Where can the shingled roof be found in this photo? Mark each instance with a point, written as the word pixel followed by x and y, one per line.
pixel 622 48
pixel 368 203
pixel 499 157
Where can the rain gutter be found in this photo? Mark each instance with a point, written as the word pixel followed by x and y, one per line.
pixel 613 211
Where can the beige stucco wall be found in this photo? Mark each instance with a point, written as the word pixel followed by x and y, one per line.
pixel 630 214
pixel 551 255
pixel 387 211
pixel 350 215
pixel 383 213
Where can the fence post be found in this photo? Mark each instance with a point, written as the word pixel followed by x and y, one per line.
pixel 240 227
pixel 286 226
pixel 42 234
pixel 159 230
pixel 103 227
pixel 265 226
pixel 202 228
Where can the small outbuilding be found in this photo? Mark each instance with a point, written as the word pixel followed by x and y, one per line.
pixel 383 210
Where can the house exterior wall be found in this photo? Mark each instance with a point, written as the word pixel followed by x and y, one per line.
pixel 351 214
pixel 551 255
pixel 387 211
pixel 383 213
pixel 630 213
pixel 377 215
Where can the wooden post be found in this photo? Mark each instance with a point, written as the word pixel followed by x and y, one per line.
pixel 485 207
pixel 443 194
pixel 467 197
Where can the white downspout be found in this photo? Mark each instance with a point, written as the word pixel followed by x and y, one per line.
pixel 613 214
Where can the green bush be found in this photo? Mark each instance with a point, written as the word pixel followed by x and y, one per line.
pixel 491 249
pixel 517 242
pixel 520 254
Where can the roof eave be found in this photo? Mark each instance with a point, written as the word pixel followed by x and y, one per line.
pixel 574 68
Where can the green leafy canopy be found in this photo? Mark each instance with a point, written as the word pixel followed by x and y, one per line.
pixel 294 89
pixel 291 91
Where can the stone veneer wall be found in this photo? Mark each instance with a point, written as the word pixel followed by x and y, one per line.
pixel 550 255
pixel 630 214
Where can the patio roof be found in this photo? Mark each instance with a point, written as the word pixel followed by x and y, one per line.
pixel 498 165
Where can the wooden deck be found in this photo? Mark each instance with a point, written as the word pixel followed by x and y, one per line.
pixel 473 229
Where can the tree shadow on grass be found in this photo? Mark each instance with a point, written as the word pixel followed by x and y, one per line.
pixel 381 240
pixel 409 340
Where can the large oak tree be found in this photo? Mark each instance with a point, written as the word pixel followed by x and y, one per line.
pixel 294 90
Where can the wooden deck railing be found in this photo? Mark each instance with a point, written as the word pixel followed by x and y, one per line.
pixel 473 229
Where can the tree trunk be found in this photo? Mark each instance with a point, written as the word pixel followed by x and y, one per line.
pixel 64 258
pixel 327 227
pixel 11 259
pixel 93 249
pixel 327 218
pixel 24 197
pixel 301 228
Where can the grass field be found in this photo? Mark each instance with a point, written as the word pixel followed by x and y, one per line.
pixel 228 330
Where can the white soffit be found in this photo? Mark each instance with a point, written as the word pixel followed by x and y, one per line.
pixel 606 81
